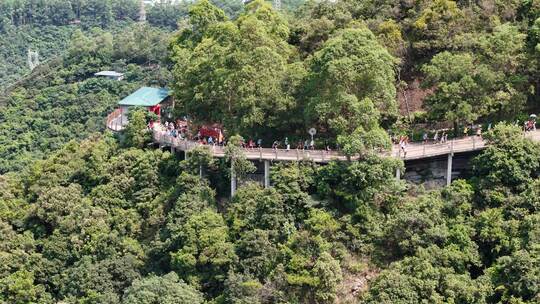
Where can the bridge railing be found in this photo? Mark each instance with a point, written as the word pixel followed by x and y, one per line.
pixel 422 150
pixel 413 151
pixel 160 136
pixel 291 154
pixel 113 122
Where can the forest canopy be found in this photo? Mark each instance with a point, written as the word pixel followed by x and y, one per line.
pixel 92 216
pixel 344 69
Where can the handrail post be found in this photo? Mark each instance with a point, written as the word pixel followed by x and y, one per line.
pixel 260 152
pixel 452 145
pixel 474 142
pixel 424 149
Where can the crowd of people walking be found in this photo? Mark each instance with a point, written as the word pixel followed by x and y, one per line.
pixel 436 137
pixel 214 136
pixel 180 130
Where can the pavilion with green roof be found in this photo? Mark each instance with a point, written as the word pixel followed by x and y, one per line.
pixel 151 98
pixel 145 97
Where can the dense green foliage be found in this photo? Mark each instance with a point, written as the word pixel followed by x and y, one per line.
pixel 269 74
pixel 97 223
pixel 247 75
pixel 46 26
pixel 483 84
pixel 91 217
pixel 48 40
pixel 63 101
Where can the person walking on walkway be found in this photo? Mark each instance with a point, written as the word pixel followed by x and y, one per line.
pixel 326 146
pixel 403 145
pixel 425 138
pixel 287 146
pixel 436 137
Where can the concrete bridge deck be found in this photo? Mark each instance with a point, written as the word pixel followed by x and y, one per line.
pixel 413 151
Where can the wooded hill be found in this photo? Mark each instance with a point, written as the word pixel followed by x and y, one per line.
pixel 91 217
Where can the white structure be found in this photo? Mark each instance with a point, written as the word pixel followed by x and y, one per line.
pixel 33 59
pixel 142 11
pixel 154 2
pixel 110 74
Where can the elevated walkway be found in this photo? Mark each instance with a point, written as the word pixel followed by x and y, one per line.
pixel 414 151
pixel 318 156
pixel 115 121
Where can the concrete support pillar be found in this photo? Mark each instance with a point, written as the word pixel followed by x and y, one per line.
pixel 449 169
pixel 233 180
pixel 172 149
pixel 398 174
pixel 266 173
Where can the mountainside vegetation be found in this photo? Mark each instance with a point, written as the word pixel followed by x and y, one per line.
pixel 46 26
pixel 97 223
pixel 91 216
pixel 329 62
pixel 63 100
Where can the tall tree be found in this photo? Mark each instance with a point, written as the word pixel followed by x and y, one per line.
pixel 137 134
pixel 486 84
pixel 167 289
pixel 459 96
pixel 351 82
pixel 237 73
pixel 206 253
pixel 510 161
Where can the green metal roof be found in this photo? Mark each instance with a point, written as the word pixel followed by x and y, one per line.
pixel 146 97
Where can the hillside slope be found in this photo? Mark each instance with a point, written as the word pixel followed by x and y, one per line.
pixel 62 100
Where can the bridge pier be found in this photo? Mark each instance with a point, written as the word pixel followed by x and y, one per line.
pixel 449 169
pixel 398 174
pixel 233 179
pixel 266 173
